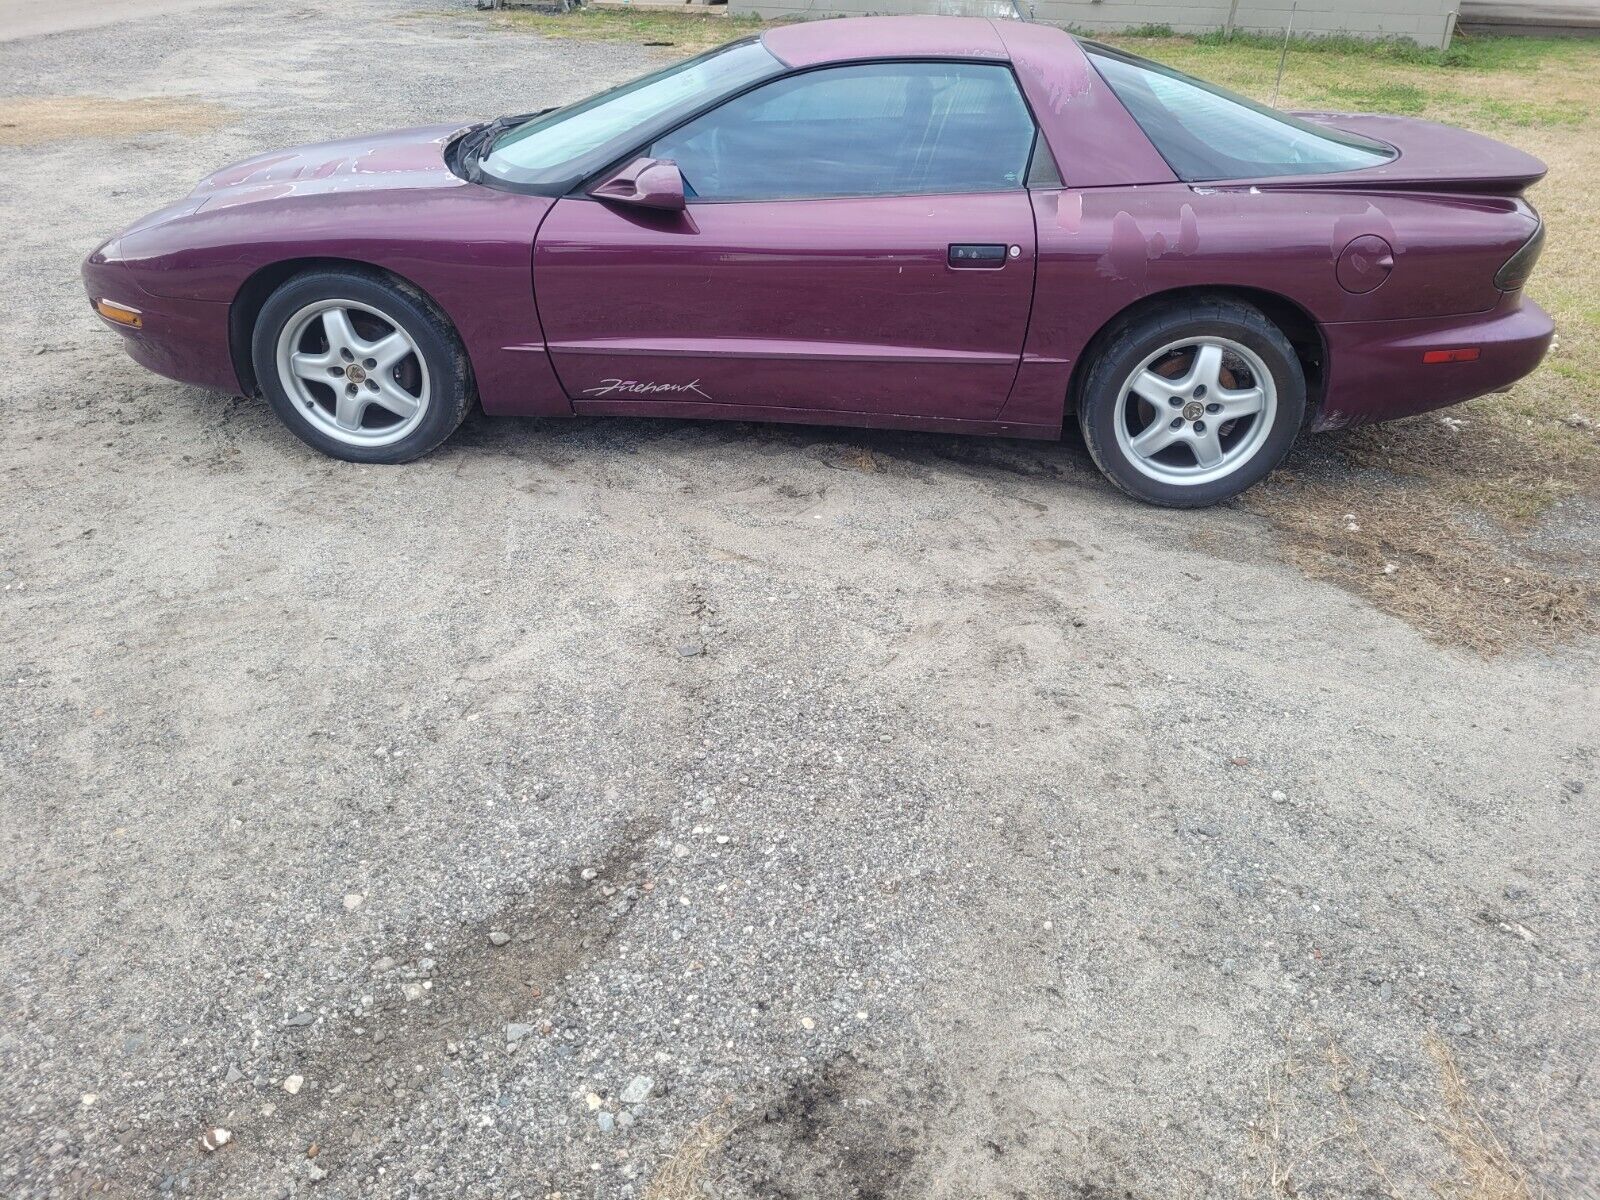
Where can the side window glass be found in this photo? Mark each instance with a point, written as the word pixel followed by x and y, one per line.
pixel 1207 133
pixel 877 129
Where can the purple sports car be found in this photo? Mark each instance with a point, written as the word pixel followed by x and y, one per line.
pixel 910 222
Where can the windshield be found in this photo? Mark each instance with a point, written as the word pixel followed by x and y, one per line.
pixel 1207 133
pixel 556 151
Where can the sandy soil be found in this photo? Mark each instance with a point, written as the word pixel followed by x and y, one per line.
pixel 28 18
pixel 993 837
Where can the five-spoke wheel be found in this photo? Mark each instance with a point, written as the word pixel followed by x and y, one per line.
pixel 361 365
pixel 1186 404
pixel 1195 411
pixel 355 373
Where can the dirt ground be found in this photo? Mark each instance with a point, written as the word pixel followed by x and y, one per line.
pixel 657 809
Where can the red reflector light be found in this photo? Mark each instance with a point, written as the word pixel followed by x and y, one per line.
pixel 1468 354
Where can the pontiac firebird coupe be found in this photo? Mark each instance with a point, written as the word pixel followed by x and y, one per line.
pixel 931 223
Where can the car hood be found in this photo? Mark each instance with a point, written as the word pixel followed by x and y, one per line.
pixel 403 158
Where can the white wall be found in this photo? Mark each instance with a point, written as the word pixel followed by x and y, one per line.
pixel 1424 21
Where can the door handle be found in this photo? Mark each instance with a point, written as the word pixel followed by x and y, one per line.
pixel 977 255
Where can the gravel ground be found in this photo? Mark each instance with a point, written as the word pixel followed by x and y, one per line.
pixel 617 808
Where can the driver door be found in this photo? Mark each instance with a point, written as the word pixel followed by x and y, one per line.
pixel 856 239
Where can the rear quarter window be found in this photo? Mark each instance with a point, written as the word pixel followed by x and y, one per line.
pixel 1207 133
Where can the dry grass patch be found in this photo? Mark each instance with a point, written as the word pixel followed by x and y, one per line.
pixel 1279 1148
pixel 34 120
pixel 1405 548
pixel 1309 1127
pixel 1485 1168
pixel 1482 455
pixel 684 1176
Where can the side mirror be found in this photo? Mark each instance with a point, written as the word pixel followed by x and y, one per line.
pixel 644 183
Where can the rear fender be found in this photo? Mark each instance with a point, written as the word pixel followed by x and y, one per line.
pixel 1103 250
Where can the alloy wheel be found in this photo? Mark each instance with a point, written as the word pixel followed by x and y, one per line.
pixel 1196 410
pixel 353 372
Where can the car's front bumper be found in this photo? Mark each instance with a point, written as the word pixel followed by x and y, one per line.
pixel 1376 370
pixel 186 340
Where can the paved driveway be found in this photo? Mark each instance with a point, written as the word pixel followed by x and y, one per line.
pixel 615 808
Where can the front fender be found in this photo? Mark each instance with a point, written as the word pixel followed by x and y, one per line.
pixel 468 248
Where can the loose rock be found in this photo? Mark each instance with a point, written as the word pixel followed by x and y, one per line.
pixel 215 1139
pixel 638 1089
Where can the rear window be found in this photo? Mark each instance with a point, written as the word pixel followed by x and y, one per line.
pixel 1207 133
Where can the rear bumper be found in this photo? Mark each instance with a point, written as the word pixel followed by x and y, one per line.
pixel 186 340
pixel 1376 372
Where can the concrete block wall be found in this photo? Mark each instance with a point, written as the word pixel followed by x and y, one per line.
pixel 1427 22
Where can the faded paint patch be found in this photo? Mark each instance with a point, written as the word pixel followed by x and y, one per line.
pixel 35 120
pixel 1132 249
pixel 1127 257
pixel 1069 211
pixel 1373 220
pixel 1188 232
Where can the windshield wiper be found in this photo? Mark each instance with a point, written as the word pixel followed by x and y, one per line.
pixel 478 142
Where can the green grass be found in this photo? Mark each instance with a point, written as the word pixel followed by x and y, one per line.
pixel 1404 99
pixel 1466 53
pixel 1410 100
pixel 1481 84
pixel 1150 31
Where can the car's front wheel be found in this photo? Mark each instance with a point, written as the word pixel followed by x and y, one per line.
pixel 360 365
pixel 1191 404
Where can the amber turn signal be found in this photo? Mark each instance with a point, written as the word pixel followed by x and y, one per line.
pixel 121 314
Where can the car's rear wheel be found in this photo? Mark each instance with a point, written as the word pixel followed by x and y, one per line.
pixel 1187 405
pixel 360 365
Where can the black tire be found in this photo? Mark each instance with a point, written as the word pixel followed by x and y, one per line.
pixel 449 385
pixel 1100 401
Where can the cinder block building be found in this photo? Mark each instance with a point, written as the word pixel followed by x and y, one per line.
pixel 1428 22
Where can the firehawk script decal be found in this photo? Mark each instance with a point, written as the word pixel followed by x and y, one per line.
pixel 637 387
